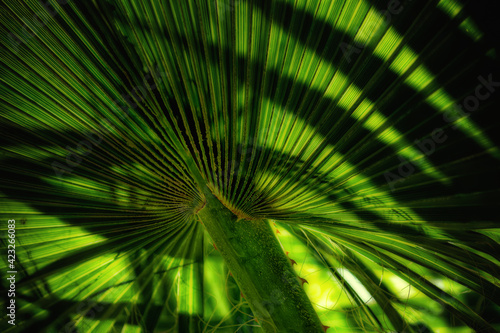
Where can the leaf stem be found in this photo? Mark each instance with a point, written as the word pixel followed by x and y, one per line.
pixel 261 269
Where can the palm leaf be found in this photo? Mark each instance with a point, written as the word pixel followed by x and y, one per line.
pixel 132 130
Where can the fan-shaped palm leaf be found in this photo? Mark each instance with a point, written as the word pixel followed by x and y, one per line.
pixel 233 165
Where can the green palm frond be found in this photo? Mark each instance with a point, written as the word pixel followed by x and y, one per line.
pixel 250 166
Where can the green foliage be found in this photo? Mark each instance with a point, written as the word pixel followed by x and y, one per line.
pixel 364 130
